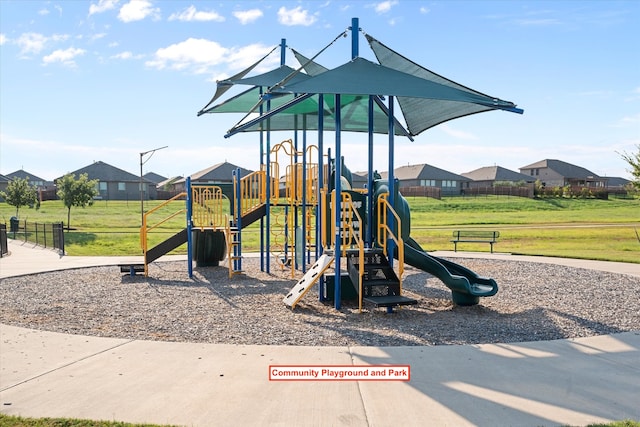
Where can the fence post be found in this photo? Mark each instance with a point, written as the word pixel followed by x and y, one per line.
pixel 57 229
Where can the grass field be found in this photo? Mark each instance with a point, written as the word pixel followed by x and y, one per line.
pixel 575 228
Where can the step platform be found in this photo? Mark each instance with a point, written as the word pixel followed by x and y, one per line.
pixel 390 300
pixel 348 290
pixel 132 269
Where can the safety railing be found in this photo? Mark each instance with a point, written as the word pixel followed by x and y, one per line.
pixel 253 191
pixel 207 210
pixel 385 232
pixel 146 228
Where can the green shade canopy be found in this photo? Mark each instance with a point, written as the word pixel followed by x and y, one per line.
pixel 423 113
pixel 426 99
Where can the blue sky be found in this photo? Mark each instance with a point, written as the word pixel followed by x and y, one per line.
pixel 107 79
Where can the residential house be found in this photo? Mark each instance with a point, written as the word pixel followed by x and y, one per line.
pixel 424 175
pixel 154 177
pixel 34 181
pixel 556 173
pixel 487 177
pixel 4 183
pixel 359 179
pixel 616 182
pixel 46 189
pixel 168 184
pixel 220 173
pixel 117 184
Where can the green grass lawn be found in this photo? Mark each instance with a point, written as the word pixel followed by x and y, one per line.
pixel 8 420
pixel 575 228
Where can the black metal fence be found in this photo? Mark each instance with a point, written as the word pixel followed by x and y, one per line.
pixel 42 234
pixel 4 248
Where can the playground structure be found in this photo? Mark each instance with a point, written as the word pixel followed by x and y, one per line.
pixel 370 277
pixel 310 218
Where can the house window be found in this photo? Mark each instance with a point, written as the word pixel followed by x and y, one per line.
pixel 102 186
pixel 448 183
pixel 428 182
pixel 121 186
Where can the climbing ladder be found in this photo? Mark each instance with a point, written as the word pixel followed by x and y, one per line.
pixel 310 278
pixel 380 283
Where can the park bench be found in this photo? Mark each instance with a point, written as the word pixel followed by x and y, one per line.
pixel 474 236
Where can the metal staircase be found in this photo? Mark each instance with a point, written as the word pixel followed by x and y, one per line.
pixel 380 284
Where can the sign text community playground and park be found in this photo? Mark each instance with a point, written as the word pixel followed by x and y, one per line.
pixel 339 373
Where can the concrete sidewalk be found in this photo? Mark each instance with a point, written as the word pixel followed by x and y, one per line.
pixel 544 383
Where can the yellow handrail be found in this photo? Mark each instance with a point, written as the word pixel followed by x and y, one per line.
pixel 252 191
pixel 144 230
pixel 383 228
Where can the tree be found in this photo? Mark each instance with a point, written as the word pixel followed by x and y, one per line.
pixel 19 193
pixel 76 192
pixel 634 162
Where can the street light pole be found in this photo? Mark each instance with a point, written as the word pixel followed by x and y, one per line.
pixel 141 180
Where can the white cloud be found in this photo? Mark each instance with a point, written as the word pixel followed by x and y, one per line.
pixel 189 53
pixel 243 57
pixel 424 10
pixel 43 12
pixel 33 43
pixel 542 22
pixel 97 36
pixel 191 14
pixel 201 56
pixel 137 10
pixel 459 134
pixel 247 16
pixel 385 6
pixel 65 57
pixel 631 119
pixel 3 39
pixel 125 55
pixel 102 6
pixel 296 16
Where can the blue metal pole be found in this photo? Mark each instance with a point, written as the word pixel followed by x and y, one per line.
pixel 283 52
pixel 338 208
pixel 390 244
pixel 355 49
pixel 368 238
pixel 237 249
pixel 189 228
pixel 304 248
pixel 268 190
pixel 392 186
pixel 319 225
pixel 294 261
pixel 262 253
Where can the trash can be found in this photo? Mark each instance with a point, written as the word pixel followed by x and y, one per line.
pixel 14 224
pixel 209 247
